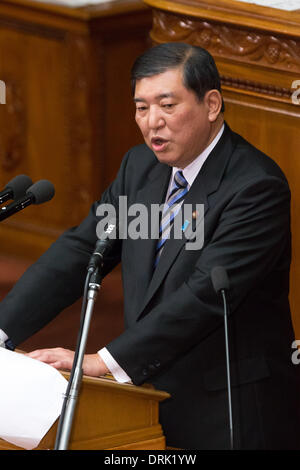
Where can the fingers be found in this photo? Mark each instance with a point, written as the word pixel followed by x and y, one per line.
pixel 59 358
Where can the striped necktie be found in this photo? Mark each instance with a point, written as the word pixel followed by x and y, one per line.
pixel 171 209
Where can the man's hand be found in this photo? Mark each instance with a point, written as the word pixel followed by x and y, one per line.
pixel 61 358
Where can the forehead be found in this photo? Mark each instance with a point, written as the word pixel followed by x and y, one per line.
pixel 169 83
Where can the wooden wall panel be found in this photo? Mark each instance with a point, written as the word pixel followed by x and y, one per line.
pixel 67 75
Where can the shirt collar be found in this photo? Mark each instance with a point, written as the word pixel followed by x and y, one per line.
pixel 191 171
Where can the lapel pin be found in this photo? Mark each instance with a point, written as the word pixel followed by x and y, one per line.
pixel 185 225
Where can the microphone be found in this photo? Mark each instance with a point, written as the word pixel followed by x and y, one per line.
pixel 40 192
pixel 91 287
pixel 103 245
pixel 219 279
pixel 15 188
pixel 220 282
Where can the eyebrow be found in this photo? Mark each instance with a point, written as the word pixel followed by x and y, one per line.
pixel 158 97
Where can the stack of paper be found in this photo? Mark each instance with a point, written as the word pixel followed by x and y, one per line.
pixel 31 398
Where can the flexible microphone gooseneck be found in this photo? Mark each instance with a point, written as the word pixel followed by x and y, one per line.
pixel 221 285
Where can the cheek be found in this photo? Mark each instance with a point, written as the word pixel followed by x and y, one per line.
pixel 194 125
pixel 142 125
pixel 183 122
pixel 185 129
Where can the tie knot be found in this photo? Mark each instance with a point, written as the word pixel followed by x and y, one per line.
pixel 180 180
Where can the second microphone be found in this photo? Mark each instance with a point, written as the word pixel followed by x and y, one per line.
pixel 40 192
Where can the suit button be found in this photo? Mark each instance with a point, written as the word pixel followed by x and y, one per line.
pixel 145 371
pixel 157 363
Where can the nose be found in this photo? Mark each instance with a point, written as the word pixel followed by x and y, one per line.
pixel 155 118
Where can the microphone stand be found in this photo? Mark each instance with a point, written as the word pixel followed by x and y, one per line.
pixel 92 286
pixel 15 207
pixel 228 369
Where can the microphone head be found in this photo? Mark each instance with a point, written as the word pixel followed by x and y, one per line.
pixel 18 185
pixel 41 191
pixel 219 278
pixel 110 232
pixel 108 238
pixel 104 244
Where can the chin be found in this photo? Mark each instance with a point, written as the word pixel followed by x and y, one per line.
pixel 167 159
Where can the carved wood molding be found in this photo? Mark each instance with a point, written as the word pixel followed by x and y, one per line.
pixel 283 94
pixel 224 40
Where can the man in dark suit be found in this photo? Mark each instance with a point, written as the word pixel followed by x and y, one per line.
pixel 174 335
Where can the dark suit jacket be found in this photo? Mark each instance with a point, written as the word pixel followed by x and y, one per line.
pixel 174 335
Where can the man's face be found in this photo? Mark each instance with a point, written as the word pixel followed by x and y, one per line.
pixel 174 123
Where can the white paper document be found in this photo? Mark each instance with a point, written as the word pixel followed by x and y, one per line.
pixel 289 5
pixel 75 3
pixel 31 398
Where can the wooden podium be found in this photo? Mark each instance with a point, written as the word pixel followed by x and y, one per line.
pixel 111 416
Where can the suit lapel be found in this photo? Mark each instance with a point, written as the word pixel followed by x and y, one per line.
pixel 206 182
pixel 152 193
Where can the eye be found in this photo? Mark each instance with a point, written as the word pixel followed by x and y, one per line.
pixel 168 106
pixel 141 108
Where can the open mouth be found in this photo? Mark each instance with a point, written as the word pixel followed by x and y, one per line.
pixel 158 144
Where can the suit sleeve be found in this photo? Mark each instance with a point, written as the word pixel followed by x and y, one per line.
pixel 57 279
pixel 251 237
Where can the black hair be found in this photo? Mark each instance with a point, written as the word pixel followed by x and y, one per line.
pixel 200 73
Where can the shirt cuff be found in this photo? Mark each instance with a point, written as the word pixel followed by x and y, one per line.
pixel 3 336
pixel 117 371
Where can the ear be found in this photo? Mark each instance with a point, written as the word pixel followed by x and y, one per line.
pixel 213 101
